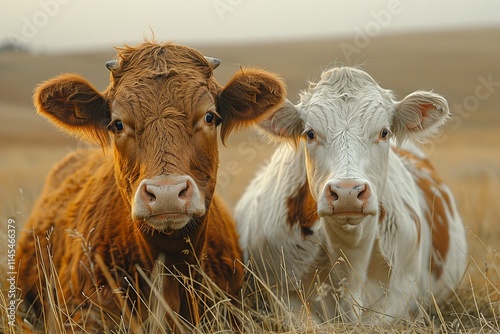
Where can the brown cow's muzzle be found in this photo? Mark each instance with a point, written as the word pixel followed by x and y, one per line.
pixel 168 202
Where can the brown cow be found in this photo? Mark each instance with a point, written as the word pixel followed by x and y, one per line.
pixel 147 193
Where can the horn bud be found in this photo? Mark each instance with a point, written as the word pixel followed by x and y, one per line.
pixel 214 62
pixel 112 64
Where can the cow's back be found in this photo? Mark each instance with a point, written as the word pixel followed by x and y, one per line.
pixel 425 218
pixel 63 185
pixel 81 214
pixel 59 218
pixel 445 245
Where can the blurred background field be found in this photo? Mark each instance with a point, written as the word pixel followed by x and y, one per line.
pixel 462 65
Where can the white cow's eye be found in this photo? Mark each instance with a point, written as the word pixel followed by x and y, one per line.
pixel 384 133
pixel 311 135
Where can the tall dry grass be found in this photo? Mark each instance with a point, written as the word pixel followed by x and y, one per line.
pixel 477 303
pixel 474 308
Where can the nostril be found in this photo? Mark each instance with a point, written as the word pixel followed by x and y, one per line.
pixel 364 194
pixel 361 194
pixel 185 193
pixel 334 195
pixel 148 191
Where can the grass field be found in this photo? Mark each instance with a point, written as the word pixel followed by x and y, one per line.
pixel 466 154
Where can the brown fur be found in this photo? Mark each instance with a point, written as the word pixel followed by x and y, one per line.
pixel 161 93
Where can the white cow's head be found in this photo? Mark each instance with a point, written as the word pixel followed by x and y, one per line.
pixel 346 121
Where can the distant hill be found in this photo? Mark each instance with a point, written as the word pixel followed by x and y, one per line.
pixel 9 47
pixel 450 62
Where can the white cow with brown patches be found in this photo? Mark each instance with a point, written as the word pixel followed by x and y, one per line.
pixel 344 221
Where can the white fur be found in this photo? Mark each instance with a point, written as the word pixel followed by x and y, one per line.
pixel 358 268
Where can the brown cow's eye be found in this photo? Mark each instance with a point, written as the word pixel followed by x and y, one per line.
pixel 116 126
pixel 209 117
pixel 119 126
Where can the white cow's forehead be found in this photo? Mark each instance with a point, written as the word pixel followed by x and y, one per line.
pixel 344 78
pixel 346 99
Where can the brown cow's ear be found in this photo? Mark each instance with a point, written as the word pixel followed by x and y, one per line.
pixel 72 104
pixel 250 96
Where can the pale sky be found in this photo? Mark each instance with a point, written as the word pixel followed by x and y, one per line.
pixel 54 26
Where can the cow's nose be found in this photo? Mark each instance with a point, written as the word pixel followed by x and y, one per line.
pixel 164 195
pixel 168 195
pixel 347 196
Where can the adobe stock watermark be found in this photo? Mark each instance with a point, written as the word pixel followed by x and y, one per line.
pixel 222 7
pixel 483 91
pixel 485 88
pixel 11 272
pixel 248 151
pixel 362 36
pixel 32 24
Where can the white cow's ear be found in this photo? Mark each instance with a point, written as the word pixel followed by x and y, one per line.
pixel 419 115
pixel 284 124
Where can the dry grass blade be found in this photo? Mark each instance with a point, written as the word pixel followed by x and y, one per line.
pixel 123 304
pixel 473 308
pixel 180 325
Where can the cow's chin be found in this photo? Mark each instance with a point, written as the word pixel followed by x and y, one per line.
pixel 347 219
pixel 168 222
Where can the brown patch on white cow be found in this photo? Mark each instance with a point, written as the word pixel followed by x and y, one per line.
pixel 381 213
pixel 302 210
pixel 416 221
pixel 436 217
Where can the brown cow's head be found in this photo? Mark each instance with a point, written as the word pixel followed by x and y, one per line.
pixel 162 109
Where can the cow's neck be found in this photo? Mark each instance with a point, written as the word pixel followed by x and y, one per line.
pixel 287 171
pixel 400 191
pixel 176 247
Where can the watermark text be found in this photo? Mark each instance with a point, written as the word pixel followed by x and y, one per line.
pixel 11 271
pixel 32 24
pixel 362 36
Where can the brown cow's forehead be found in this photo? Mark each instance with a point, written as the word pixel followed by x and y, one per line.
pixel 157 99
pixel 162 117
pixel 149 60
pixel 153 79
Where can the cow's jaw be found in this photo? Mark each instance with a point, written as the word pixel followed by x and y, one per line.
pixel 168 202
